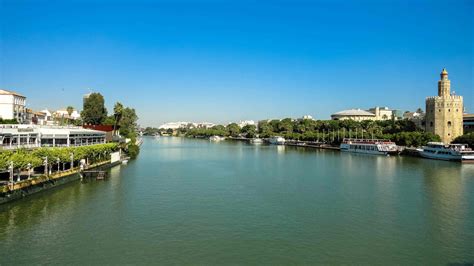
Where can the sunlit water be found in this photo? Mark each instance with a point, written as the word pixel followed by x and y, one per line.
pixel 188 201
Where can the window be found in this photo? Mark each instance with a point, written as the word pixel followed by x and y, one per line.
pixel 449 110
pixel 431 124
pixel 439 110
pixel 449 123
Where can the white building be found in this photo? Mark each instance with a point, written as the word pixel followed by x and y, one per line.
pixel 246 123
pixel 63 113
pixel 174 125
pixel 353 114
pixel 382 113
pixel 177 125
pixel 33 136
pixel 12 106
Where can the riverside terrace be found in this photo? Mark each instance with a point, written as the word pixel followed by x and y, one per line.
pixel 34 136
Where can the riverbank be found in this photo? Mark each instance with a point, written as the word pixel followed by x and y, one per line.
pixel 24 188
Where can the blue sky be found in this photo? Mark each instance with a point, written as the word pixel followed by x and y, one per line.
pixel 223 61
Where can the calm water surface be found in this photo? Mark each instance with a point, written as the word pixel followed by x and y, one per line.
pixel 187 201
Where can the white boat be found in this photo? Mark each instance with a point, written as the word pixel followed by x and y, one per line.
pixel 370 146
pixel 277 140
pixel 216 138
pixel 448 152
pixel 256 141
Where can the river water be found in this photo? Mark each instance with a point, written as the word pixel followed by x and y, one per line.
pixel 187 201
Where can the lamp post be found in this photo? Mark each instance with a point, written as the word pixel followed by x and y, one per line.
pixel 10 169
pixel 58 161
pixel 71 155
pixel 45 163
pixel 28 166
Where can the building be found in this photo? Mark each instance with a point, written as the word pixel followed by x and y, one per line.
pixel 246 123
pixel 382 113
pixel 307 117
pixel 417 117
pixel 468 123
pixel 444 113
pixel 35 118
pixel 64 114
pixel 353 114
pixel 34 136
pixel 110 133
pixel 12 106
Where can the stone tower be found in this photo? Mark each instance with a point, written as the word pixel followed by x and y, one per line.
pixel 444 112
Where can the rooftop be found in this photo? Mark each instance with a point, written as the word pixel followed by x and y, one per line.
pixel 7 92
pixel 353 112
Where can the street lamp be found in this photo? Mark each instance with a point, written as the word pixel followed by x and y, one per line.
pixel 10 169
pixel 45 163
pixel 58 161
pixel 71 155
pixel 28 166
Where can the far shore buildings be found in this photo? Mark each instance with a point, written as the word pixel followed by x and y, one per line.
pixel 178 125
pixel 12 106
pixel 376 113
pixel 444 113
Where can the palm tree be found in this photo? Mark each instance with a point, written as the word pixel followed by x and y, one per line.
pixel 118 111
pixel 70 109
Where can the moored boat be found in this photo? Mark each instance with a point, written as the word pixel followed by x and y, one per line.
pixel 370 146
pixel 216 138
pixel 448 152
pixel 256 141
pixel 277 140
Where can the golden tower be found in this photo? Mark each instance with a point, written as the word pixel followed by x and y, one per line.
pixel 444 112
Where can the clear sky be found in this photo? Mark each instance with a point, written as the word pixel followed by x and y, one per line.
pixel 227 61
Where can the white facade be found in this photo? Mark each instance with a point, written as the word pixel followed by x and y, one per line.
pixel 246 123
pixel 33 136
pixel 382 113
pixel 12 106
pixel 177 125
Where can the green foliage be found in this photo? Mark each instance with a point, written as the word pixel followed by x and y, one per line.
pixel 21 158
pixel 133 150
pixel 467 138
pixel 249 131
pixel 404 132
pixel 233 129
pixel 128 122
pixel 94 112
pixel 8 121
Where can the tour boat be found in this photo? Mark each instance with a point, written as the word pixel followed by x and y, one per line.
pixel 277 140
pixel 256 141
pixel 370 146
pixel 450 152
pixel 216 138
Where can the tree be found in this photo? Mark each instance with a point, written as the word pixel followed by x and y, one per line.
pixel 233 129
pixel 94 112
pixel 69 110
pixel 249 131
pixel 128 122
pixel 467 138
pixel 118 112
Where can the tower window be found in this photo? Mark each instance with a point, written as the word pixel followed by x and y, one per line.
pixel 439 110
pixel 449 123
pixel 457 110
pixel 449 110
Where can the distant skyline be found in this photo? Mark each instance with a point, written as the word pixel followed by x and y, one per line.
pixel 222 61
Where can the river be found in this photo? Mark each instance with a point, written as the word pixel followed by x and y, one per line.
pixel 188 201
